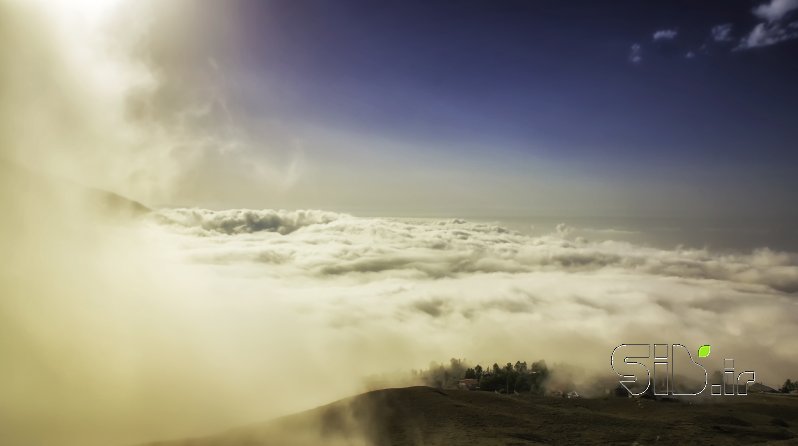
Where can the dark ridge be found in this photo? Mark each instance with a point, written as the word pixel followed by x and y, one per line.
pixel 421 416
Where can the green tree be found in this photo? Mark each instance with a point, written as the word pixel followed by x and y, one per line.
pixel 492 382
pixel 522 383
pixel 539 375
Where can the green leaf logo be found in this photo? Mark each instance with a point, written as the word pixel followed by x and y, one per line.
pixel 703 351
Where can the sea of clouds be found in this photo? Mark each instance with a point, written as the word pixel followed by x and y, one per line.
pixel 345 245
pixel 454 288
pixel 186 322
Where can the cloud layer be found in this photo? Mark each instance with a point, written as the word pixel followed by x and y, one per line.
pixel 346 244
pixel 440 282
pixel 241 315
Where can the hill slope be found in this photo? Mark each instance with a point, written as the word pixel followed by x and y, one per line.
pixel 426 416
pixel 19 183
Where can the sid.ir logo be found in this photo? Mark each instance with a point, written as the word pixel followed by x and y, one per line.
pixel 629 361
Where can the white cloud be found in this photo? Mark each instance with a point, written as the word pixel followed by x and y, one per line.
pixel 689 55
pixel 636 53
pixel 775 10
pixel 563 229
pixel 766 34
pixel 722 33
pixel 774 30
pixel 447 248
pixel 665 34
pixel 242 221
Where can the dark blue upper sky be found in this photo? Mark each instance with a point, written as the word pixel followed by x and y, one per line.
pixel 576 83
pixel 550 71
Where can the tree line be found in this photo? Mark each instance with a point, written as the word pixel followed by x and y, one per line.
pixel 509 378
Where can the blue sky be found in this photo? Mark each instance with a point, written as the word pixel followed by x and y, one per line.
pixel 585 107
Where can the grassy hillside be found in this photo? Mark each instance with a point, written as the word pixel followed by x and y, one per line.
pixel 427 416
